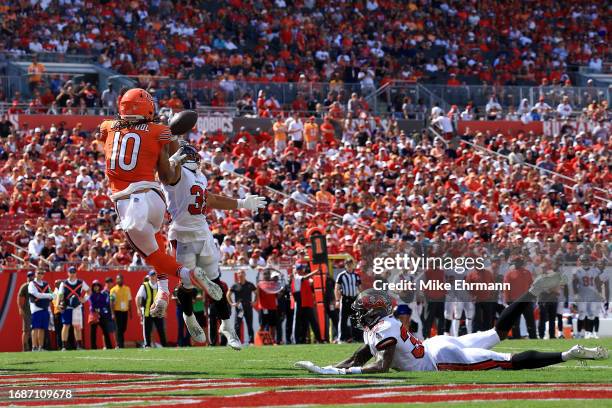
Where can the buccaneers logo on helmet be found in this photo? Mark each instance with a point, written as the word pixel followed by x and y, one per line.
pixel 370 306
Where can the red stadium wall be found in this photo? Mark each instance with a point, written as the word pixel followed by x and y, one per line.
pixel 10 322
pixel 499 126
pixel 88 122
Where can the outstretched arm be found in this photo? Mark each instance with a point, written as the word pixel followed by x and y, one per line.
pixel 220 202
pixel 361 356
pixel 380 365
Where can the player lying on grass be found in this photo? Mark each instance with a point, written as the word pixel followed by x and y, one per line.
pixel 188 199
pixel 393 346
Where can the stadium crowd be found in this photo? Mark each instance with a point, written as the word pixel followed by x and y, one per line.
pixel 358 180
pixel 374 40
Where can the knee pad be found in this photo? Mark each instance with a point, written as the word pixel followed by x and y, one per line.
pixel 210 265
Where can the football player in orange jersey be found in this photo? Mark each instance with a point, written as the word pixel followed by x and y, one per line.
pixel 137 149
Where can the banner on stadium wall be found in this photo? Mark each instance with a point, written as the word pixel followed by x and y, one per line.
pixel 88 122
pixel 554 127
pixel 498 126
pixel 229 124
pixel 210 123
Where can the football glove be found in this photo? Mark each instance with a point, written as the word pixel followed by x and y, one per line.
pixel 177 158
pixel 313 368
pixel 252 202
pixel 327 370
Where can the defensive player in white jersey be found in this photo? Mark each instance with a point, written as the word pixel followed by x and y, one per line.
pixel 190 235
pixel 587 283
pixel 393 346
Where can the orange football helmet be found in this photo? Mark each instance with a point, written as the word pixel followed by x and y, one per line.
pixel 137 104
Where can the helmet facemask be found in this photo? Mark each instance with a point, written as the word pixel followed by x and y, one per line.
pixel 370 306
pixel 192 161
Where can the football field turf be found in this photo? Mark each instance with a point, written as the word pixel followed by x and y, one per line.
pixel 265 376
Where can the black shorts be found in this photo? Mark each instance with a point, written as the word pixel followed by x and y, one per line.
pixel 269 319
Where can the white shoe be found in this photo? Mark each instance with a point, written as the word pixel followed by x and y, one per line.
pixel 200 280
pixel 544 283
pixel 232 339
pixel 579 352
pixel 160 304
pixel 194 329
pixel 588 335
pixel 594 335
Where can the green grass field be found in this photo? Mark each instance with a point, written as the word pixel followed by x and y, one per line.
pixel 266 364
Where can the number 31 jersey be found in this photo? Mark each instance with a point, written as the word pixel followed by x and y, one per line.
pixel 410 353
pixel 132 153
pixel 186 205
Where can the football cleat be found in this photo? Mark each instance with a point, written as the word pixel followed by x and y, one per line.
pixel 200 280
pixel 232 339
pixel 194 329
pixel 579 352
pixel 544 283
pixel 160 304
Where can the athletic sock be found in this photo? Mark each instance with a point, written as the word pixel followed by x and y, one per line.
pixel 164 265
pixel 588 325
pixel 512 312
pixel 223 307
pixel 185 298
pixel 535 359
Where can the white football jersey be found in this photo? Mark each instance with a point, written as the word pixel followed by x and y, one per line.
pixel 410 353
pixel 186 205
pixel 587 279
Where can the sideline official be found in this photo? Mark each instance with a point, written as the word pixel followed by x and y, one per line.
pixel 348 286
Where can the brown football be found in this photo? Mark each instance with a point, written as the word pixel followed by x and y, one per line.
pixel 183 122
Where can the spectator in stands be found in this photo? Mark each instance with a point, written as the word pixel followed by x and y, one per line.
pixel 23 307
pixel 144 299
pixel 564 109
pixel 36 71
pixel 295 130
pixel 109 100
pixel 121 307
pixel 36 246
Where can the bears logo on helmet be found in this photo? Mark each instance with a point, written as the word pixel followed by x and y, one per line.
pixel 137 104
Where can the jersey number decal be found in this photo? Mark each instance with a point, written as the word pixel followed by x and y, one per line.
pixel 418 351
pixel 587 281
pixel 120 148
pixel 199 206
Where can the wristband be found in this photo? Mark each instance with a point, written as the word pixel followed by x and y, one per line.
pixel 354 370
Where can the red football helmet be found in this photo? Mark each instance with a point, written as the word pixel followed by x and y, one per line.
pixel 137 104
